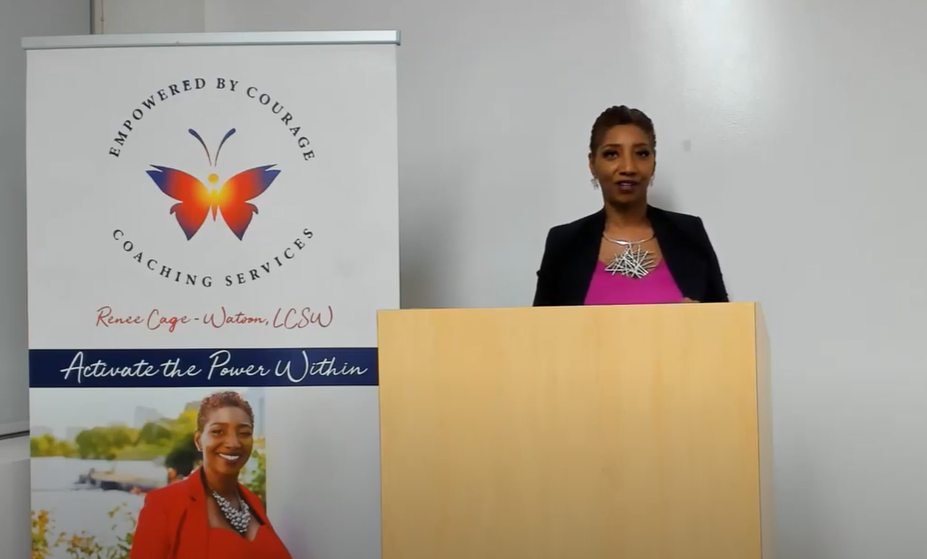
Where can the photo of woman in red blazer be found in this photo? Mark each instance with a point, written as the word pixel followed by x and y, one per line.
pixel 210 515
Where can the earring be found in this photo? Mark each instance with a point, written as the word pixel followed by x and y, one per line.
pixel 595 183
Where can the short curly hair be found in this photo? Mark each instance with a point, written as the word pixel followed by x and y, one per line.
pixel 222 400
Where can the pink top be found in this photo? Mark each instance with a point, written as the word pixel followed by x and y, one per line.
pixel 656 287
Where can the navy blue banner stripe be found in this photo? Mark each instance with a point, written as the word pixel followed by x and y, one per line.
pixel 190 368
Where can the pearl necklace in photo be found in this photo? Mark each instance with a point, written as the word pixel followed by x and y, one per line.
pixel 238 518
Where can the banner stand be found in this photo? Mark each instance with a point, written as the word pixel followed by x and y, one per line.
pixel 212 228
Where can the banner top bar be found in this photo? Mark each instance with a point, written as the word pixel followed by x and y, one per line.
pixel 214 39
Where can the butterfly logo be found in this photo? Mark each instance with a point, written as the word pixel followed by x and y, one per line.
pixel 196 201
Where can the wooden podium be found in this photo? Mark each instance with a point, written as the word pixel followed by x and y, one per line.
pixel 627 432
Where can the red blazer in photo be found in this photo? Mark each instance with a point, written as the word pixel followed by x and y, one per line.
pixel 173 524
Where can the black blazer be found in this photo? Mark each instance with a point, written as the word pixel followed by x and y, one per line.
pixel 572 252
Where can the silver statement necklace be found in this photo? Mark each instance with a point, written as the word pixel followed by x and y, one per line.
pixel 238 518
pixel 633 262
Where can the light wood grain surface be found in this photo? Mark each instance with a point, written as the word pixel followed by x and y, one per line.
pixel 562 433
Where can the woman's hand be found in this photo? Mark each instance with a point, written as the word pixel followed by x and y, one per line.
pixel 687 300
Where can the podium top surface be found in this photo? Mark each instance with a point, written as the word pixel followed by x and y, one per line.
pixel 214 39
pixel 695 327
pixel 687 308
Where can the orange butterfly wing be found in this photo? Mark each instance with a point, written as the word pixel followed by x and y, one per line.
pixel 193 196
pixel 238 191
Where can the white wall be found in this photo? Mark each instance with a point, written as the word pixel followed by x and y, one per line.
pixel 15 538
pixel 18 19
pixel 149 16
pixel 794 128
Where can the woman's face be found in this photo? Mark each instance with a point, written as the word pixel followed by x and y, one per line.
pixel 226 440
pixel 624 164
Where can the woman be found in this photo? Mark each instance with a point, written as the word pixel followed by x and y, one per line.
pixel 629 252
pixel 209 514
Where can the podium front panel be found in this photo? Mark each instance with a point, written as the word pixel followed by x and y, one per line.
pixel 570 433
